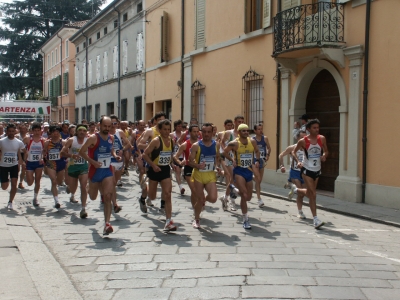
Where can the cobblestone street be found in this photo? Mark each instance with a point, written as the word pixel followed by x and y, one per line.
pixel 281 257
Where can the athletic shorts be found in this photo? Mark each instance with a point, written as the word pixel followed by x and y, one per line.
pixel 204 177
pixel 181 159
pixel 244 172
pixel 33 165
pixel 314 175
pixel 118 165
pixel 187 171
pixel 76 170
pixel 5 171
pixel 293 174
pixel 98 175
pixel 262 164
pixel 165 173
pixel 57 165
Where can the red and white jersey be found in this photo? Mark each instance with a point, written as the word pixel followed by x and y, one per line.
pixel 300 156
pixel 312 154
pixel 34 150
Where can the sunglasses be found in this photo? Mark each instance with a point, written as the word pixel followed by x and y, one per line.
pixel 115 123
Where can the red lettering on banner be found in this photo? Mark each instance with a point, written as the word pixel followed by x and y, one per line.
pixel 1 109
pixel 33 110
pixel 7 109
pixel 17 109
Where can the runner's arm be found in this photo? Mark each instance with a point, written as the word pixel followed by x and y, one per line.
pixel 232 146
pixel 182 138
pixel 65 149
pixel 325 148
pixel 192 157
pixel 225 138
pixel 147 152
pixel 256 151
pixel 125 141
pixel 300 145
pixel 268 154
pixel 178 153
pixel 83 151
pixel 287 151
pixel 144 138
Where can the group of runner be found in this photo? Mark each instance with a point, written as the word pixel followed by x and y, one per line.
pixel 96 159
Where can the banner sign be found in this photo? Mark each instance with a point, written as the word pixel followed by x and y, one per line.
pixel 25 108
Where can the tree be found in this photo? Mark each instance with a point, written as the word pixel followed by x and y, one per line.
pixel 28 25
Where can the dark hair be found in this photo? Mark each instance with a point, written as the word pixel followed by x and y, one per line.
pixel 151 121
pixel 84 120
pixel 256 125
pixel 53 128
pixel 11 125
pixel 192 126
pixel 159 115
pixel 312 122
pixel 206 125
pixel 239 117
pixel 163 122
pixel 90 124
pixel 227 121
pixel 114 117
pixel 298 133
pixel 177 123
pixel 36 125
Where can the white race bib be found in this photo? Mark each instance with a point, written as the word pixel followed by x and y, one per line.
pixel 164 158
pixel 209 161
pixel 79 161
pixel 10 158
pixel 105 160
pixel 262 153
pixel 246 160
pixel 54 154
pixel 34 155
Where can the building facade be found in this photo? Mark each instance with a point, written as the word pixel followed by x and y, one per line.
pixel 109 63
pixel 58 72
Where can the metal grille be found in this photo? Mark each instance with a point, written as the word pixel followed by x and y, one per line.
pixel 198 102
pixel 252 87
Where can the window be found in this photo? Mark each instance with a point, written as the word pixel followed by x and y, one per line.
pixel 90 73
pixel 125 57
pixel 200 23
pixel 105 30
pixel 56 56
pixel 90 41
pixel 77 49
pixel 84 45
pixel 138 108
pixel 139 7
pixel 98 66
pixel 125 17
pixel 89 113
pixel 76 77
pixel 48 62
pixel 60 54
pixel 98 35
pixel 110 108
pixel 198 102
pixel 77 115
pixel 257 14
pixel 66 114
pixel 84 74
pixel 139 51
pixel 60 116
pixel 52 59
pixel 66 48
pixel 115 62
pixel 84 112
pixel 97 112
pixel 124 109
pixel 252 86
pixel 105 66
pixel 65 83
pixel 287 4
pixel 115 24
pixel 164 37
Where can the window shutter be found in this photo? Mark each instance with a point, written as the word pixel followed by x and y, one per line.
pixel 76 77
pixel 56 87
pixel 115 62
pixel 286 4
pixel 90 73
pixel 84 75
pixel 105 66
pixel 164 37
pixel 125 57
pixel 97 69
pixel 247 15
pixel 266 13
pixel 50 88
pixel 139 51
pixel 66 85
pixel 200 24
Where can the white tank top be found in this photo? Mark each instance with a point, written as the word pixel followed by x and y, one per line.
pixel 75 148
pixel 312 155
pixel 300 156
pixel 35 150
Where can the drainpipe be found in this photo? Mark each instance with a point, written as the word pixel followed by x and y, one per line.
pixel 183 53
pixel 278 104
pixel 365 100
pixel 119 62
pixel 61 80
pixel 87 75
pixel 44 77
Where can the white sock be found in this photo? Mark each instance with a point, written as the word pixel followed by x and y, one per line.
pixel 295 190
pixel 236 191
pixel 72 195
pixel 315 217
pixel 55 198
pixel 167 221
pixel 300 211
pixel 180 186
pixel 245 217
pixel 34 196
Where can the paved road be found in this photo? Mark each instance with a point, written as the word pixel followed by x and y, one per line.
pixel 281 257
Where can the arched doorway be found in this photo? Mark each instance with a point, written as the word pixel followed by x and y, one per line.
pixel 323 101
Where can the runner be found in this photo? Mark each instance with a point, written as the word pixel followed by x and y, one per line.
pixel 137 154
pixel 158 155
pixel 45 133
pixel 187 169
pixel 77 167
pixel 126 154
pixel 54 162
pixel 92 128
pixel 245 150
pixel 98 150
pixel 34 159
pixel 228 125
pixel 295 173
pixel 177 167
pixel 65 131
pixel 265 152
pixel 10 149
pixel 315 152
pixel 23 133
pixel 204 156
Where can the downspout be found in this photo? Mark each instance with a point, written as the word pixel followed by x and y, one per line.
pixel 86 71
pixel 183 53
pixel 61 80
pixel 278 104
pixel 365 100
pixel 44 77
pixel 119 62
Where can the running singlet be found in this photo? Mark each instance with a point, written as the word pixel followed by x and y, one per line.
pixel 137 135
pixel 244 154
pixel 162 155
pixel 187 134
pixel 176 147
pixel 262 146
pixel 101 152
pixel 312 155
pixel 206 155
pixel 75 147
pixel 54 150
pixel 155 132
pixel 300 156
pixel 187 151
pixel 34 150
pixel 117 146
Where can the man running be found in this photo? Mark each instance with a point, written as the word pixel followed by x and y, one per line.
pixel 295 173
pixel 245 149
pixel 10 149
pixel 92 128
pixel 54 162
pixel 98 150
pixel 34 159
pixel 65 130
pixel 177 167
pixel 77 166
pixel 265 151
pixel 158 155
pixel 137 154
pixel 315 152
pixel 204 156
pixel 23 133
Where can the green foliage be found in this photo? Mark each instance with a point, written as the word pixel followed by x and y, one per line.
pixel 27 26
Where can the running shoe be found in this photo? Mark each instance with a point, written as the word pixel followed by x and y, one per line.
pixel 63 184
pixel 137 170
pixel 10 206
pixel 142 206
pixel 117 208
pixel 57 204
pixel 318 223
pixel 182 191
pixel 232 205
pixel 260 203
pixel 246 224
pixel 67 190
pixel 126 172
pixel 119 183
pixel 73 200
pixel 196 224
pixel 161 210
pixel 107 229
pixel 21 186
pixel 35 202
pixel 287 185
pixel 232 192
pixel 149 203
pixel 301 215
pixel 170 226
pixel 291 193
pixel 83 214
pixel 224 203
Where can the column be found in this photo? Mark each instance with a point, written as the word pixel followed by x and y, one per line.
pixel 187 97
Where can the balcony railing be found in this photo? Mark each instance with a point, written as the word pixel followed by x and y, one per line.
pixel 311 25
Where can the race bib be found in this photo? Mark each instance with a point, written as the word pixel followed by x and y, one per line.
pixel 34 156
pixel 54 154
pixel 164 158
pixel 79 161
pixel 105 160
pixel 209 161
pixel 262 153
pixel 246 160
pixel 9 158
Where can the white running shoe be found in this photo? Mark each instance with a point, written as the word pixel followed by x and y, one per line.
pixel 232 205
pixel 119 183
pixel 318 223
pixel 291 193
pixel 301 215
pixel 9 206
pixel 149 203
pixel 224 203
pixel 260 203
pixel 287 185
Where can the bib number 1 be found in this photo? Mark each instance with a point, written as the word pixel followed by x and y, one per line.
pixel 105 160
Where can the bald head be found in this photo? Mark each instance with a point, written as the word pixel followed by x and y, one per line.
pixel 105 125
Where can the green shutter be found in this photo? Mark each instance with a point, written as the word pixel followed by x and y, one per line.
pixel 51 88
pixel 66 82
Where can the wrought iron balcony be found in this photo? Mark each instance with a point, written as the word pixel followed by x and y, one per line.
pixel 309 26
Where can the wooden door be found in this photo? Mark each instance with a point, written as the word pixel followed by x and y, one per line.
pixel 323 103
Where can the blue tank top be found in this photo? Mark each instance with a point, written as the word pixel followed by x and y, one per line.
pixel 102 151
pixel 262 146
pixel 207 155
pixel 117 146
